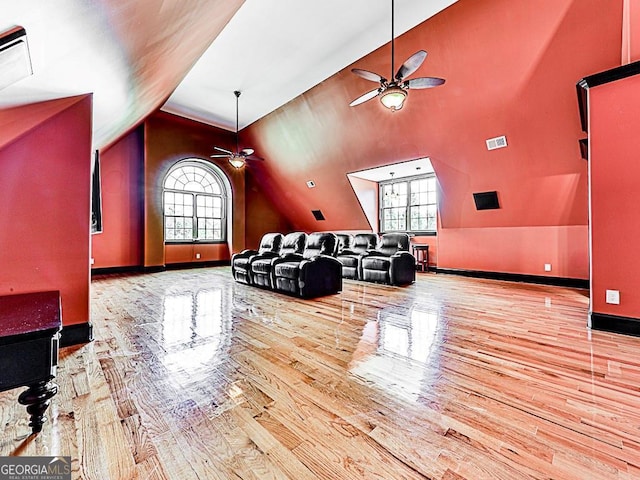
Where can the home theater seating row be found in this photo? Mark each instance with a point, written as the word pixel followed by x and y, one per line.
pixel 314 265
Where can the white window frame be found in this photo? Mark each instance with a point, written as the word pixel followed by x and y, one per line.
pixel 402 204
pixel 208 188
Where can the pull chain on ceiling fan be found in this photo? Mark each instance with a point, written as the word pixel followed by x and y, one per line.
pixel 239 157
pixel 393 93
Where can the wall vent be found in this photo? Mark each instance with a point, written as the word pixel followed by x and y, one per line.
pixel 318 214
pixel 15 61
pixel 497 142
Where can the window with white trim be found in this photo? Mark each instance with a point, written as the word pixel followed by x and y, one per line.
pixel 409 205
pixel 193 204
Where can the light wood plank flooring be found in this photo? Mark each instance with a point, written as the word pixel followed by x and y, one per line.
pixel 193 376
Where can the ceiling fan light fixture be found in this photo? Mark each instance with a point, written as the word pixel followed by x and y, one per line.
pixel 393 97
pixel 237 158
pixel 393 94
pixel 236 161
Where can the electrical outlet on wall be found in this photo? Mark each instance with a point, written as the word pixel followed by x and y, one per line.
pixel 547 267
pixel 613 297
pixel 197 256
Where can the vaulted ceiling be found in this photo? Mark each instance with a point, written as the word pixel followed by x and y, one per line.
pixel 510 69
pixel 134 55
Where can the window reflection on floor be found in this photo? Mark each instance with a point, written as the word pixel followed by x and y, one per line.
pixel 401 361
pixel 194 331
pixel 208 314
pixel 411 337
pixel 177 318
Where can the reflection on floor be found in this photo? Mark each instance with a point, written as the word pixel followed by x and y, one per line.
pixel 194 376
pixel 404 349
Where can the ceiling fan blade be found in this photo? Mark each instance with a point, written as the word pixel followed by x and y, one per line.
pixel 411 65
pixel 223 150
pixel 424 82
pixel 365 97
pixel 219 155
pixel 254 157
pixel 247 151
pixel 367 75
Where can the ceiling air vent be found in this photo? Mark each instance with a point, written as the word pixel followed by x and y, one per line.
pixel 15 62
pixel 497 142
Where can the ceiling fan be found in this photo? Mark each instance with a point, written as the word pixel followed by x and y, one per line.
pixel 239 157
pixel 393 93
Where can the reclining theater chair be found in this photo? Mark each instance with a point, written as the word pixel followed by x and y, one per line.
pixel 344 242
pixel 240 262
pixel 260 266
pixel 314 273
pixel 350 257
pixel 391 262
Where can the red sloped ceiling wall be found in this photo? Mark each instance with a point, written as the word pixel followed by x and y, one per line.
pixel 511 69
pixel 45 177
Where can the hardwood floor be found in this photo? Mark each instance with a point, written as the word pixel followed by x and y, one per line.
pixel 193 376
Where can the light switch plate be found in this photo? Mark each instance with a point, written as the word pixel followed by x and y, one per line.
pixel 613 297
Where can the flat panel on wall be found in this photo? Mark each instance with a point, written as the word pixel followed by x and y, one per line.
pixel 96 196
pixel 317 214
pixel 486 200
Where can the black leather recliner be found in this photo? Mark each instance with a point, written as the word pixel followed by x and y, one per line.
pixel 350 257
pixel 391 262
pixel 292 243
pixel 313 273
pixel 344 242
pixel 241 262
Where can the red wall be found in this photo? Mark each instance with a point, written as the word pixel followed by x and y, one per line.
pixel 511 69
pixel 523 250
pixel 132 173
pixel 196 253
pixel 615 181
pixel 120 243
pixel 261 216
pixel 45 175
pixel 170 138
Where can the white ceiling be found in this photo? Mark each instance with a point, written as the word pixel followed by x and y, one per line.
pixel 274 50
pixel 134 54
pixel 418 166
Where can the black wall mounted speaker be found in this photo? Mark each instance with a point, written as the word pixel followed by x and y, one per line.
pixel 318 214
pixel 486 200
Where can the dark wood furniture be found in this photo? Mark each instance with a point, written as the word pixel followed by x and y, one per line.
pixel 421 252
pixel 29 330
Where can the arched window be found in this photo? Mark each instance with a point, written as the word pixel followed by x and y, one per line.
pixel 194 204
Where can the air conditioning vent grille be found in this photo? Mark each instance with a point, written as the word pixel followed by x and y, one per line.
pixel 15 61
pixel 496 142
